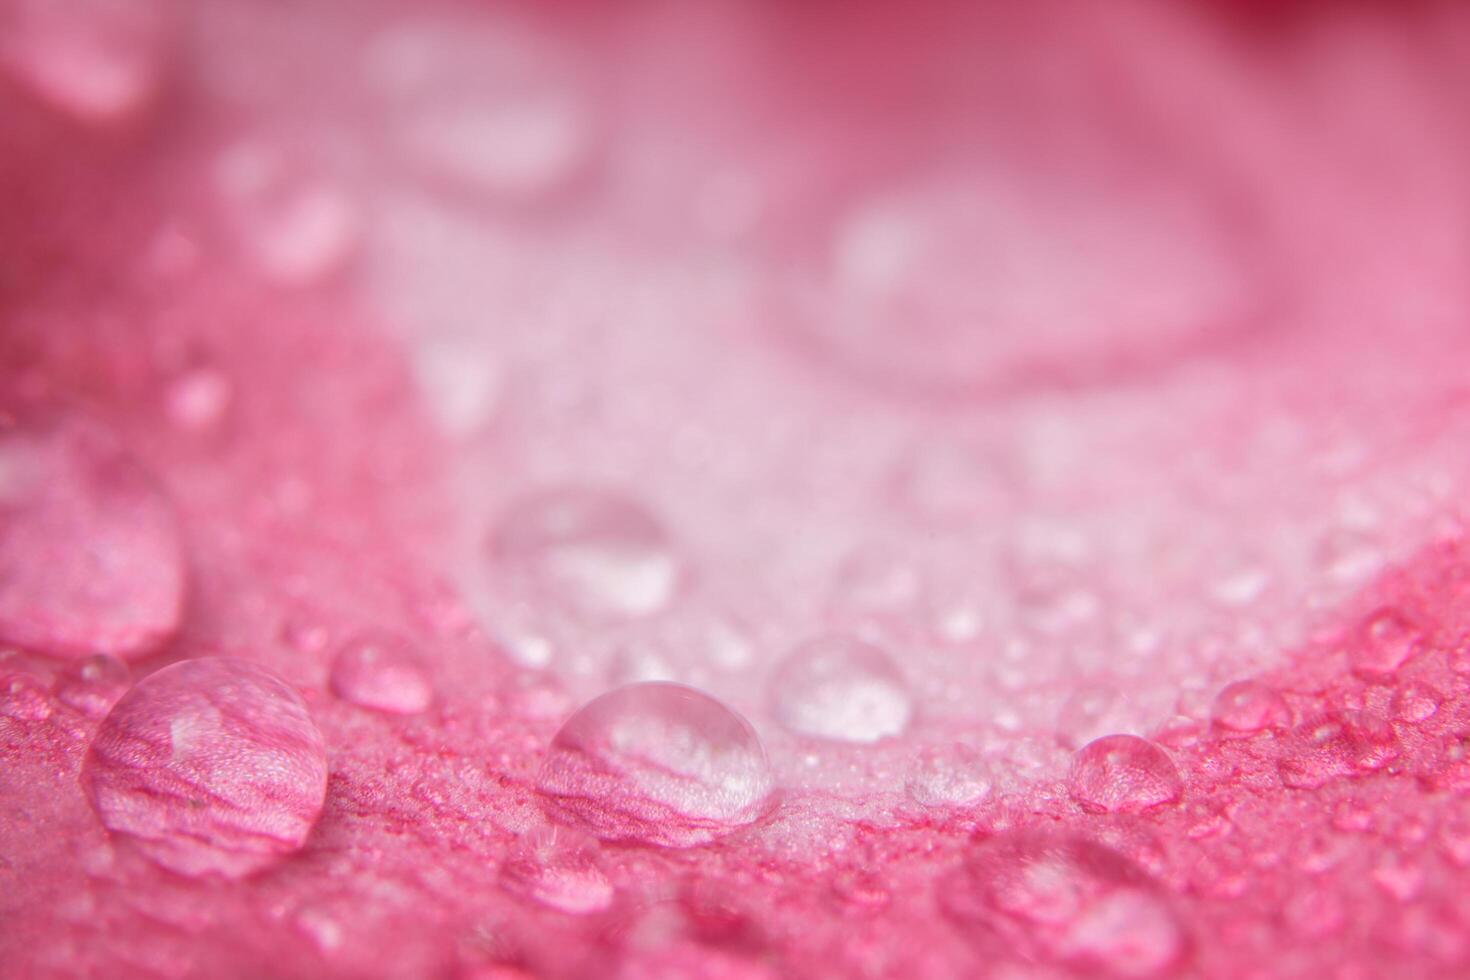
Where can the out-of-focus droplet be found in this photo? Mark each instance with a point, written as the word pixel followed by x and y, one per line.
pixel 296 224
pixel 947 285
pixel 461 386
pixel 502 112
pixel 841 688
pixel 100 61
pixel 956 777
pixel 210 766
pixel 380 670
pixel 558 867
pixel 591 550
pixel 1123 773
pixel 1416 701
pixel 197 400
pixel 656 763
pixel 946 484
pixel 1250 706
pixel 91 556
pixel 1388 639
pixel 1069 901
pixel 94 685
pixel 25 697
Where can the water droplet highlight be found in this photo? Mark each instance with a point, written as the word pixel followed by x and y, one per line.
pixel 210 766
pixel 658 763
pixel 380 670
pixel 1123 774
pixel 595 551
pixel 843 689
pixel 1250 706
pixel 91 556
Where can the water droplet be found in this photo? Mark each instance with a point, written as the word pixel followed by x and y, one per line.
pixel 197 400
pixel 1318 751
pixel 840 688
pixel 1123 773
pixel 558 867
pixel 297 225
pixel 501 111
pixel 91 558
pixel 382 671
pixel 954 778
pixel 1250 706
pixel 99 61
pixel 25 697
pixel 1389 638
pixel 1066 900
pixel 461 385
pixel 950 284
pixel 1415 701
pixel 660 763
pixel 209 766
pixel 596 551
pixel 95 684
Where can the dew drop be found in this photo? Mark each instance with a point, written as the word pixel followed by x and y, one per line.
pixel 1388 639
pixel 209 766
pixel 100 61
pixel 380 670
pixel 91 556
pixel 1066 900
pixel 1250 706
pixel 1415 702
pixel 843 689
pixel 24 697
pixel 1318 751
pixel 1123 773
pixel 954 778
pixel 558 867
pixel 658 763
pixel 595 551
pixel 95 684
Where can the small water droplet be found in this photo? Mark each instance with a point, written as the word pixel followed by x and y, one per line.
pixel 1250 706
pixel 95 684
pixel 25 697
pixel 595 551
pixel 558 867
pixel 91 556
pixel 841 688
pixel 1318 751
pixel 100 61
pixel 659 763
pixel 1123 773
pixel 197 400
pixel 1388 639
pixel 209 766
pixel 461 386
pixel 296 224
pixel 1415 701
pixel 954 778
pixel 380 670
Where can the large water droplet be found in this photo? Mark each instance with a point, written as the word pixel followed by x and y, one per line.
pixel 1066 900
pixel 1250 706
pixel 659 763
pixel 380 670
pixel 840 688
pixel 91 558
pixel 1123 773
pixel 98 61
pixel 209 766
pixel 558 867
pixel 595 551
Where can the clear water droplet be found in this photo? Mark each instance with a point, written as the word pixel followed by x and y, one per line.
pixel 91 556
pixel 841 688
pixel 1250 706
pixel 380 670
pixel 100 61
pixel 591 550
pixel 1123 773
pixel 95 684
pixel 296 224
pixel 209 766
pixel 24 697
pixel 1388 639
pixel 658 763
pixel 957 777
pixel 558 867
